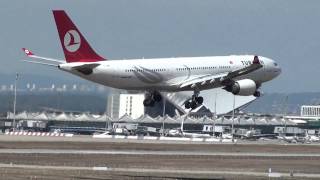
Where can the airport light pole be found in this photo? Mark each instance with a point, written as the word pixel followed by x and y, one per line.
pixel 108 119
pixel 215 115
pixel 285 114
pixel 14 103
pixel 107 124
pixel 163 114
pixel 232 127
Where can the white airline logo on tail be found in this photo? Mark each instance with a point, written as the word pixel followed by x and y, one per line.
pixel 72 41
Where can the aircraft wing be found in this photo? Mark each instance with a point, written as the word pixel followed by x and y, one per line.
pixel 223 78
pixel 252 67
pixel 198 81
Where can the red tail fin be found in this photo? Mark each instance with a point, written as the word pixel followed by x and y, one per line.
pixel 75 46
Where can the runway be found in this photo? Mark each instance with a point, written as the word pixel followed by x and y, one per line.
pixel 140 152
pixel 155 171
pixel 86 158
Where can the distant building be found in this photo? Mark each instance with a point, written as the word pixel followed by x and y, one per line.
pixel 132 105
pixel 74 87
pixel 113 105
pixel 11 87
pixel 3 88
pixel 310 111
pixel 125 104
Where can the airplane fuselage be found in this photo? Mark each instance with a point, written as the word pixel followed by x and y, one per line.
pixel 166 74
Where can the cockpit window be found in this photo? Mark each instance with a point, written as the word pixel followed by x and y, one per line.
pixel 275 64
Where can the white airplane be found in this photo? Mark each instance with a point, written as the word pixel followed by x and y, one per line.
pixel 289 139
pixel 311 138
pixel 254 134
pixel 239 74
pixel 293 139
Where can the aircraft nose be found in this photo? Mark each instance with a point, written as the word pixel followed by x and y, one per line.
pixel 271 68
pixel 276 69
pixel 279 70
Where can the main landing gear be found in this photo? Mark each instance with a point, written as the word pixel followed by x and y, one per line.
pixel 151 98
pixel 194 102
pixel 257 94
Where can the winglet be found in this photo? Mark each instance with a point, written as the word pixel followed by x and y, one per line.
pixel 28 52
pixel 256 60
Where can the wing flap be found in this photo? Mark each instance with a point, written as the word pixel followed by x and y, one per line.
pixel 202 80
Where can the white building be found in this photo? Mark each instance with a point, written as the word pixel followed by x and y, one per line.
pixel 121 104
pixel 113 105
pixel 132 105
pixel 310 111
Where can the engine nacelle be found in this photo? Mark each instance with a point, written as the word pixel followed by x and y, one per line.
pixel 244 87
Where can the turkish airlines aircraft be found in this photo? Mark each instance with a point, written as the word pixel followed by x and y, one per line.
pixel 241 75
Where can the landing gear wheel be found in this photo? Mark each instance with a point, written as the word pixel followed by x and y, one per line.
pixel 157 97
pixel 193 104
pixel 199 100
pixel 148 102
pixel 187 105
pixel 151 97
pixel 257 94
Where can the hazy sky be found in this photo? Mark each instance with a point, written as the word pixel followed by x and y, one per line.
pixel 287 31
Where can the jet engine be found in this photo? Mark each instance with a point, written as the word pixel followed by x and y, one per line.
pixel 244 87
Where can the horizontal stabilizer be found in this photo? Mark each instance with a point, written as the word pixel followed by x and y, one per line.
pixel 36 62
pixel 32 55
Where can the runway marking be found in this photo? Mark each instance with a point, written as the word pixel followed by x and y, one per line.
pixel 143 152
pixel 173 171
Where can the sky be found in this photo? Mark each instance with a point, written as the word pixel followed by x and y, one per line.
pixel 287 31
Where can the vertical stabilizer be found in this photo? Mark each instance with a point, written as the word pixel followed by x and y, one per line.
pixel 74 45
